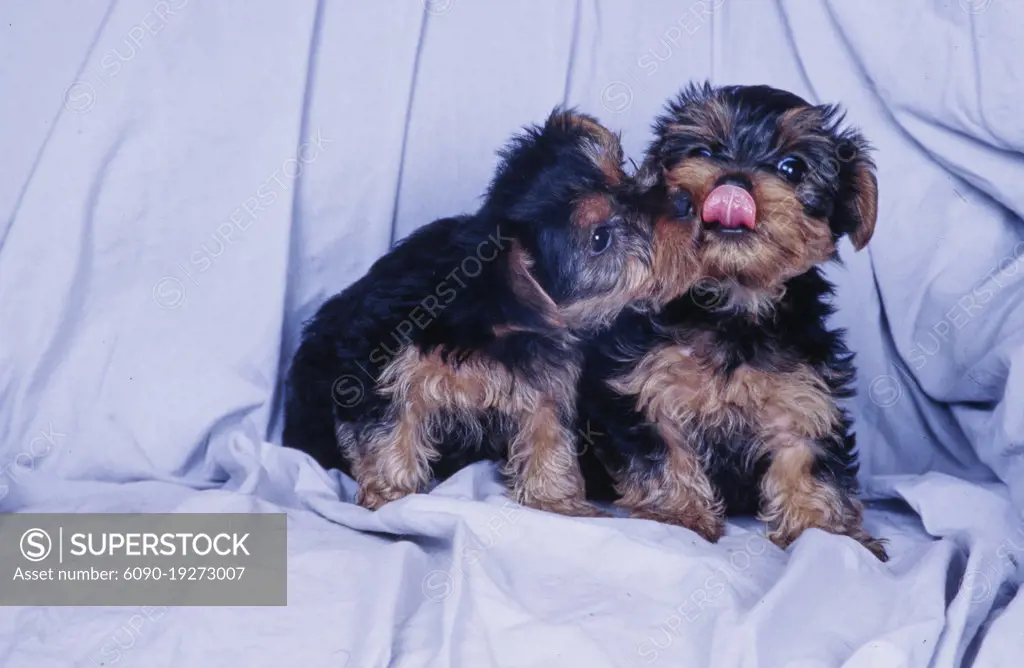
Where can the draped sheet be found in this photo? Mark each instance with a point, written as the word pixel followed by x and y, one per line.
pixel 183 182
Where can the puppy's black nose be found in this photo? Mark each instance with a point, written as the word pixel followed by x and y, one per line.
pixel 741 180
pixel 682 205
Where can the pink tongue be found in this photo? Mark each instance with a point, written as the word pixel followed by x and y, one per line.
pixel 731 207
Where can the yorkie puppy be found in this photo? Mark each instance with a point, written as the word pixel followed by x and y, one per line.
pixel 464 341
pixel 726 400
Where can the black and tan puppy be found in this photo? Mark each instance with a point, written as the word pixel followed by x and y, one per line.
pixel 727 399
pixel 463 342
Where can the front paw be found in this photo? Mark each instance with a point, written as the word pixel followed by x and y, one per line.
pixel 875 545
pixel 782 539
pixel 706 524
pixel 568 507
pixel 374 495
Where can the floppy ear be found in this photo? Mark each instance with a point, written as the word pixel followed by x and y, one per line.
pixel 650 173
pixel 862 203
pixel 857 201
pixel 601 145
pixel 540 308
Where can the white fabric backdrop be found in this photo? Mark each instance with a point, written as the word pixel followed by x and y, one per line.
pixel 182 182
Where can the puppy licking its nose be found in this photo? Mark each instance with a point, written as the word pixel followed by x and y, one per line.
pixel 730 208
pixel 727 399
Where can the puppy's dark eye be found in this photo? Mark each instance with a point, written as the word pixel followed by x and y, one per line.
pixel 600 240
pixel 792 169
pixel 700 153
pixel 682 205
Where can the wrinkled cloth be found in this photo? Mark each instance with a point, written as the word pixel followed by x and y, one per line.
pixel 184 182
